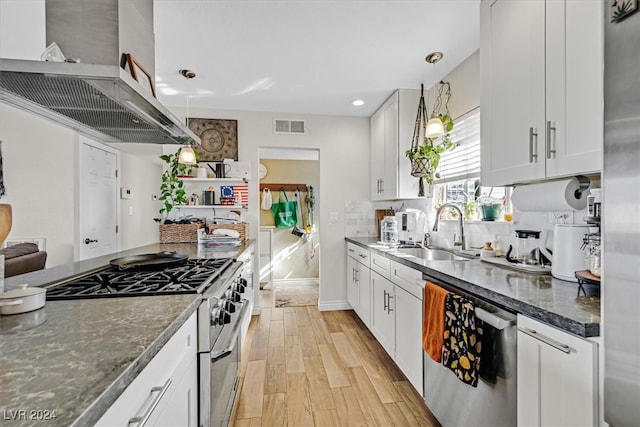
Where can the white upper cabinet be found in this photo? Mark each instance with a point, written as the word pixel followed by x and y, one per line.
pixel 541 100
pixel 391 132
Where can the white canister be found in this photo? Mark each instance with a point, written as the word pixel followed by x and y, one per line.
pixel 201 173
pixel 568 255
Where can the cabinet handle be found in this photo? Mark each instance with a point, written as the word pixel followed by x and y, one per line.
pixel 492 319
pixel 386 306
pixel 382 186
pixel 358 275
pixel 389 309
pixel 551 143
pixel 142 419
pixel 353 274
pixel 553 343
pixel 533 149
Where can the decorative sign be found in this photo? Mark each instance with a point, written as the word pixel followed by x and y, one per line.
pixel 219 139
pixel 620 9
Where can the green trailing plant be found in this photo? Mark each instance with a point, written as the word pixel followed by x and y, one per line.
pixel 172 191
pixel 425 155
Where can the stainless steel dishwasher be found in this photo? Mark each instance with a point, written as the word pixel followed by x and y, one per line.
pixel 493 402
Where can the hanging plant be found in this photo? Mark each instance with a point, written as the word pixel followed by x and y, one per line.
pixel 172 191
pixel 425 152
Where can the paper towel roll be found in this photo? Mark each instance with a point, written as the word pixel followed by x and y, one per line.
pixel 551 196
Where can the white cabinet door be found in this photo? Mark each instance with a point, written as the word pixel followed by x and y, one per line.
pixel 512 94
pixel 181 406
pixel 383 312
pixel 353 296
pixel 384 150
pixel 574 87
pixel 165 385
pixel 541 89
pixel 557 377
pixel 364 295
pixel 266 254
pixel 408 353
pixel 391 132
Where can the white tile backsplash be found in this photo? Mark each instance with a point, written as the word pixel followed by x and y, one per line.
pixel 360 222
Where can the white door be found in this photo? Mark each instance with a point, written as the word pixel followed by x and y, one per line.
pixel 98 200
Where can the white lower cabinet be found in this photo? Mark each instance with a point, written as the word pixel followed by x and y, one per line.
pixel 358 282
pixel 557 377
pixel 383 316
pixel 165 392
pixel 397 317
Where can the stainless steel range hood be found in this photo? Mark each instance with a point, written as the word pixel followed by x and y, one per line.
pixel 101 101
pixel 97 98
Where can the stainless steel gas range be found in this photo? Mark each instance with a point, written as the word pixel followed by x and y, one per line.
pixel 222 284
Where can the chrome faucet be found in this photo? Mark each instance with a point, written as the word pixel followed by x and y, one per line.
pixel 460 242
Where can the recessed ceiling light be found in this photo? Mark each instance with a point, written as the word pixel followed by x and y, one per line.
pixel 358 102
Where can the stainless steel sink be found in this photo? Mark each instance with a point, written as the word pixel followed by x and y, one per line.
pixel 430 254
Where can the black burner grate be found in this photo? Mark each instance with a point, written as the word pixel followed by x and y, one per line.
pixel 191 277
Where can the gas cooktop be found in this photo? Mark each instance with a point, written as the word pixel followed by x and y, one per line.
pixel 192 276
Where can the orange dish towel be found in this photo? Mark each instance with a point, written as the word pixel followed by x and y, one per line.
pixel 433 320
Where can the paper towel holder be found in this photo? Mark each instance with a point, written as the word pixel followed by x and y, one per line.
pixel 584 184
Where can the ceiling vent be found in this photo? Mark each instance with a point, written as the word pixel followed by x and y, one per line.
pixel 290 126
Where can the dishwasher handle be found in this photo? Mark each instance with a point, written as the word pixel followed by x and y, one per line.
pixel 493 319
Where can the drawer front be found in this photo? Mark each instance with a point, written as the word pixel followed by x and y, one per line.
pixel 358 253
pixel 408 279
pixel 381 265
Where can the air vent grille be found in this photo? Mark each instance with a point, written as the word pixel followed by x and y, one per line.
pixel 289 126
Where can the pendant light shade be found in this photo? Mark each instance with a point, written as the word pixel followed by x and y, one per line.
pixel 435 129
pixel 187 156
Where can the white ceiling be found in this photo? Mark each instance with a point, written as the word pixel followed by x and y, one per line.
pixel 308 57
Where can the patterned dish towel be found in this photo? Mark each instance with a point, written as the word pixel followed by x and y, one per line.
pixel 462 339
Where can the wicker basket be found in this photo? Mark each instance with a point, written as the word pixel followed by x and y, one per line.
pixel 242 228
pixel 179 233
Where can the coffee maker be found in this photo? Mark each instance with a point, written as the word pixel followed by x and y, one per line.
pixel 528 249
pixel 411 226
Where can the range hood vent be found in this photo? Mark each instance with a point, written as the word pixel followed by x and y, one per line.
pixel 101 101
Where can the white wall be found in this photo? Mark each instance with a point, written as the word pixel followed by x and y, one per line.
pixel 343 143
pixel 39 159
pixel 140 172
pixel 39 175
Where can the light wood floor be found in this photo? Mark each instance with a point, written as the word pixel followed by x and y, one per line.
pixel 302 367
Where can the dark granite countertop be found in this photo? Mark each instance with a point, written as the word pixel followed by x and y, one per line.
pixel 76 357
pixel 550 300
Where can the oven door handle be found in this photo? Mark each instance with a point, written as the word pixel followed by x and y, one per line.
pixel 230 344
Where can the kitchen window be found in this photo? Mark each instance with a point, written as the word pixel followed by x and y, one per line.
pixel 459 170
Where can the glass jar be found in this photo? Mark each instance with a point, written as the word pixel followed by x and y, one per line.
pixel 592 249
pixel 389 230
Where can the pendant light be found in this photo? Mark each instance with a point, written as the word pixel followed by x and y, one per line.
pixel 187 156
pixel 435 128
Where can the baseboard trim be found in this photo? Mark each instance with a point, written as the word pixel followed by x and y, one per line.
pixel 334 305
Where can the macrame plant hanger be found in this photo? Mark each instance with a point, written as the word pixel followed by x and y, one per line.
pixel 420 168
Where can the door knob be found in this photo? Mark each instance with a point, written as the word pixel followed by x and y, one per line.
pixel 88 240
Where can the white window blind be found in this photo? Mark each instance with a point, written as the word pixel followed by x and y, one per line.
pixel 463 162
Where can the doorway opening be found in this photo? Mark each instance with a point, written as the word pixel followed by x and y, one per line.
pixel 289 255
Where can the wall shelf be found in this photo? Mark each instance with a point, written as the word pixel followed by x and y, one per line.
pixel 219 180
pixel 210 207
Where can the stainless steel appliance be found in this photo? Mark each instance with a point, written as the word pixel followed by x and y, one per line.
pixel 493 402
pixel 221 315
pixel 96 97
pixel 620 226
pixel 220 319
